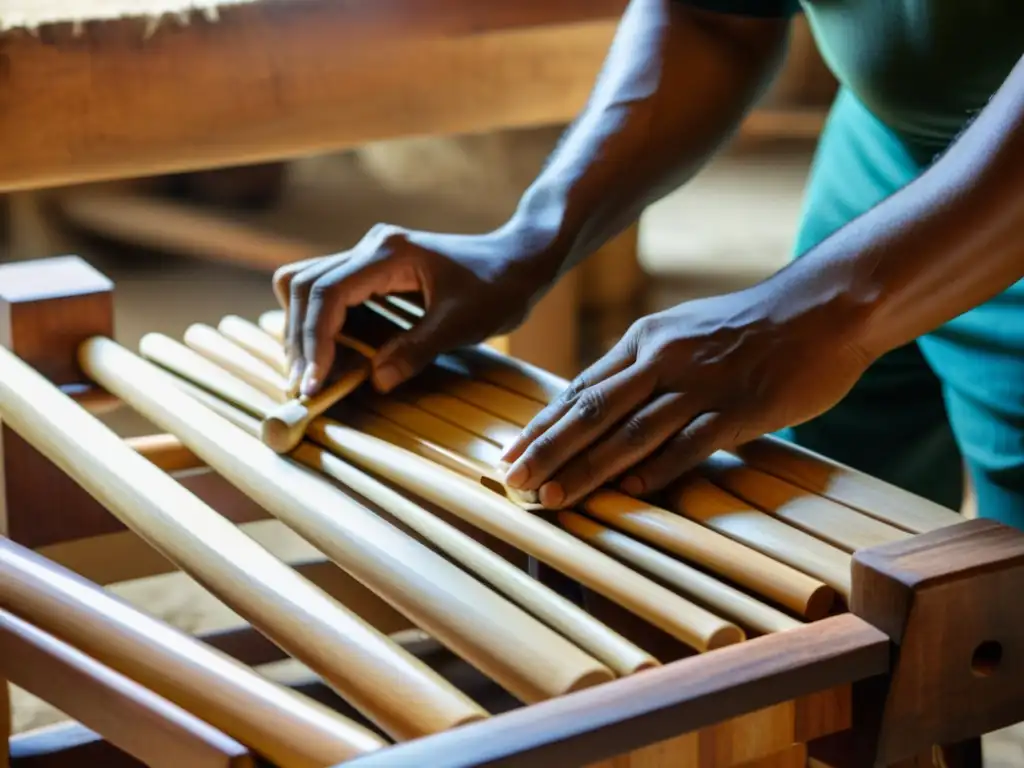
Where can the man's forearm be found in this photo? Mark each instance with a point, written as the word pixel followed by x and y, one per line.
pixel 675 84
pixel 946 243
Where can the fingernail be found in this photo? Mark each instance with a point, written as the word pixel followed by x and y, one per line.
pixel 388 377
pixel 632 485
pixel 518 476
pixel 551 494
pixel 294 377
pixel 311 381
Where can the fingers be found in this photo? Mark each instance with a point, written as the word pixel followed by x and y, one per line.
pixel 299 284
pixel 618 359
pixel 327 298
pixel 282 279
pixel 634 439
pixel 709 432
pixel 591 414
pixel 408 353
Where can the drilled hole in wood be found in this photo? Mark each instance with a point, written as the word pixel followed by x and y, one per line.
pixel 986 658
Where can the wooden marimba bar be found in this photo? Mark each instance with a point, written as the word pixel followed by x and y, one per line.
pixel 776 608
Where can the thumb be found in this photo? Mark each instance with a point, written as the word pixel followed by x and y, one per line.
pixel 408 353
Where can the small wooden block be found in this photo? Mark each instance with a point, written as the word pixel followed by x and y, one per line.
pixel 949 600
pixel 50 306
pixel 5 722
pixel 47 308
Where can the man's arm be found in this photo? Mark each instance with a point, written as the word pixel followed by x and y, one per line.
pixel 711 374
pixel 947 242
pixel 676 83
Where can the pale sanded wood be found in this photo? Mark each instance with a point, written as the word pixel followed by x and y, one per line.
pixel 827 520
pixel 283 428
pixel 127 714
pixel 164 451
pixel 288 728
pixel 692 625
pixel 175 356
pixel 444 433
pixel 373 424
pixel 358 660
pixel 621 656
pixel 255 341
pixel 123 556
pixel 717 595
pixel 497 637
pixel 845 485
pixel 493 399
pixel 697 499
pixel 487 364
pixel 481 362
pixel 787 586
pixel 508 522
pixel 273 322
pixel 254 372
pixel 465 415
pixel 737 559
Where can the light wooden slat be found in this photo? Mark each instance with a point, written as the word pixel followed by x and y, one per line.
pixel 128 715
pixel 514 649
pixel 364 666
pixel 288 728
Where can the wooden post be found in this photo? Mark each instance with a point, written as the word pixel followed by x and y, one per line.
pixel 549 338
pixel 31 231
pixel 612 285
pixel 5 723
pixel 603 292
pixel 48 307
pixel 947 600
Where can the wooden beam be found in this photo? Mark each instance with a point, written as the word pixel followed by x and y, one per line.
pixel 273 80
pixel 683 696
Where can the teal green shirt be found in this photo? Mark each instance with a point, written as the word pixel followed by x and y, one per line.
pixel 923 67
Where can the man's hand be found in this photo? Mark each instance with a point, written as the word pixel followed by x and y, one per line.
pixel 703 376
pixel 472 286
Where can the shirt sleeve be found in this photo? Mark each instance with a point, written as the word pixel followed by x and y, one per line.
pixel 765 9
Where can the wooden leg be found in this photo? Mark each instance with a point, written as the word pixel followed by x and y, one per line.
pixel 32 233
pixel 47 308
pixel 549 338
pixel 611 288
pixel 607 287
pixel 5 723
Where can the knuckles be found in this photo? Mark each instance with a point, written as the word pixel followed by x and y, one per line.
pixel 591 407
pixel 636 432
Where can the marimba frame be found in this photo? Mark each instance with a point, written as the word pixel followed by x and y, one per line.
pixel 924 657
